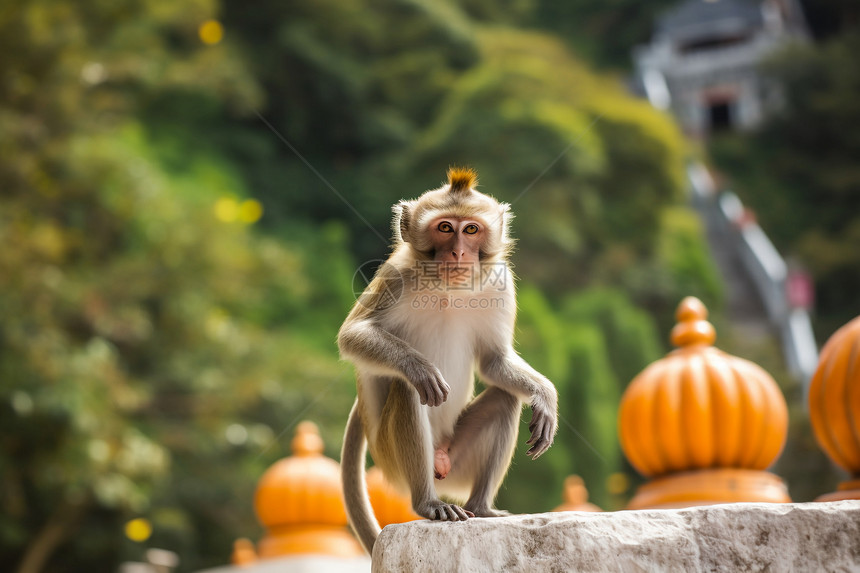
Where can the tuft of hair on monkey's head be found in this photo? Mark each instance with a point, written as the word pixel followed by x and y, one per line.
pixel 461 179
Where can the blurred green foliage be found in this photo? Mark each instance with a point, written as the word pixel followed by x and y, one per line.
pixel 158 344
pixel 605 32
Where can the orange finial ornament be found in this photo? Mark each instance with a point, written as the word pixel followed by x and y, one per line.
pixel 693 327
pixel 703 423
pixel 575 496
pixel 834 406
pixel 299 502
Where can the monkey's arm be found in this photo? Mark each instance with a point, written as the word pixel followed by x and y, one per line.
pixel 504 368
pixel 369 346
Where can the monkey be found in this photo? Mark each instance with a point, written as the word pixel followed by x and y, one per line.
pixel 440 308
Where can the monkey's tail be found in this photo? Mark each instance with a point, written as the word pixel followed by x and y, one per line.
pixel 358 508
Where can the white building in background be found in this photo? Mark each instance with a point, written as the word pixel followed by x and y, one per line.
pixel 703 61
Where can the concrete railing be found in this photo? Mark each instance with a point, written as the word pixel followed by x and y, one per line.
pixel 765 267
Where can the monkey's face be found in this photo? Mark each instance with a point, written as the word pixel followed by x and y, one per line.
pixel 454 225
pixel 457 241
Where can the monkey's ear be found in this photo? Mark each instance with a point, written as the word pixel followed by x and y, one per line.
pixel 505 216
pixel 400 222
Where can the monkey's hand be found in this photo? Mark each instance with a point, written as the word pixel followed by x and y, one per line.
pixel 543 426
pixel 426 378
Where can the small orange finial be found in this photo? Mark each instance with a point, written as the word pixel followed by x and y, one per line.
pixel 462 179
pixel 307 441
pixel 574 491
pixel 575 496
pixel 243 552
pixel 692 327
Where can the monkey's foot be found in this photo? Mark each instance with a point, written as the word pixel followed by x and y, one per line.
pixel 438 510
pixel 441 463
pixel 487 511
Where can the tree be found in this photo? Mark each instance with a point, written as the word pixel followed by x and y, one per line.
pixel 604 32
pixel 140 315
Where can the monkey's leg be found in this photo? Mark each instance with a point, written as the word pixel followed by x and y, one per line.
pixel 483 445
pixel 404 439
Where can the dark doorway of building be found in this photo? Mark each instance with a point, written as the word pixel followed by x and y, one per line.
pixel 720 116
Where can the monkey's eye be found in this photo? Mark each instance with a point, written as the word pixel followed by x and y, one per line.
pixel 470 229
pixel 445 227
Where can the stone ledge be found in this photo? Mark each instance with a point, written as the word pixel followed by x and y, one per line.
pixel 730 537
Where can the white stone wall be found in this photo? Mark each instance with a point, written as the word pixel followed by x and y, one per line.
pixel 731 537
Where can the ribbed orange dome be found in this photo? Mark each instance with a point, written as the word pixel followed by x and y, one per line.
pixel 701 408
pixel 389 505
pixel 834 398
pixel 303 488
pixel 299 502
